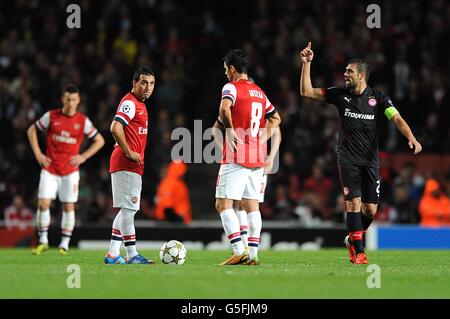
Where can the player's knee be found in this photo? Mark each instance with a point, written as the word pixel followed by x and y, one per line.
pixel 68 208
pixel 370 210
pixel 249 208
pixel 241 205
pixel 353 205
pixel 370 214
pixel 219 206
pixel 222 204
pixel 43 205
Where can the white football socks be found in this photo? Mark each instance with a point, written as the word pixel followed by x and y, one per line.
pixel 230 224
pixel 116 237
pixel 254 232
pixel 67 226
pixel 43 222
pixel 243 222
pixel 126 222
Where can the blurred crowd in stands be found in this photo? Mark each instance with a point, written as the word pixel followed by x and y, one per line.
pixel 184 42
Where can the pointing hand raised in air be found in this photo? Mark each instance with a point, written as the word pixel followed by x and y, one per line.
pixel 307 54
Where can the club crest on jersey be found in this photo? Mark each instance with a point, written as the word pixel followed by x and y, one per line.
pixel 372 101
pixel 134 199
pixel 346 191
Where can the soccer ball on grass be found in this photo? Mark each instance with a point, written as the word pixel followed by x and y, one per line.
pixel 173 252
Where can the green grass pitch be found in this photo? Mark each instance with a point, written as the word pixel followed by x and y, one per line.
pixel 289 274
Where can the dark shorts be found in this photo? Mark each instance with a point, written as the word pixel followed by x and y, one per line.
pixel 360 181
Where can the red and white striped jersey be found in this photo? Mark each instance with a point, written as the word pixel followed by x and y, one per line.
pixel 132 113
pixel 249 110
pixel 64 137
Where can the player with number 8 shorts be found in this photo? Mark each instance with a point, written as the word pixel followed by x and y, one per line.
pixel 243 111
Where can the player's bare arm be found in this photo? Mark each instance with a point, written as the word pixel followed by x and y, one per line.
pixel 273 127
pixel 41 158
pixel 306 88
pixel 225 117
pixel 96 145
pixel 217 133
pixel 276 141
pixel 119 135
pixel 273 122
pixel 404 128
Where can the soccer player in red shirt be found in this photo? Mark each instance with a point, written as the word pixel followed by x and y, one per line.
pixel 66 129
pixel 129 129
pixel 239 207
pixel 243 110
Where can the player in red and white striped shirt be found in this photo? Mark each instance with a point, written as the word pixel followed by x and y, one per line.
pixel 129 129
pixel 66 129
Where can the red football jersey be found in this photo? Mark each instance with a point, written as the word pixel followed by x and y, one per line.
pixel 250 106
pixel 132 113
pixel 64 137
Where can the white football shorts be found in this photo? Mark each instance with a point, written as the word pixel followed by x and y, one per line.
pixel 236 182
pixel 66 187
pixel 126 189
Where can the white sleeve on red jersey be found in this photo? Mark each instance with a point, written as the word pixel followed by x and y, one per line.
pixel 125 112
pixel 270 109
pixel 229 92
pixel 8 212
pixel 44 122
pixel 89 128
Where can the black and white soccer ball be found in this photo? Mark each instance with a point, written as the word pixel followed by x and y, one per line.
pixel 173 252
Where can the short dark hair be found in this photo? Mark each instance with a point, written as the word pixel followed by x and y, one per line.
pixel 238 59
pixel 362 66
pixel 142 70
pixel 70 88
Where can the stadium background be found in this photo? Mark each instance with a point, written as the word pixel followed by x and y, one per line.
pixel 184 43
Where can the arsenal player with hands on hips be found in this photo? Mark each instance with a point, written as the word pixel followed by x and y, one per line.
pixel 244 110
pixel 275 136
pixel 129 129
pixel 66 129
pixel 361 109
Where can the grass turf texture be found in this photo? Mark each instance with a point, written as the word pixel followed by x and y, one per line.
pixel 290 274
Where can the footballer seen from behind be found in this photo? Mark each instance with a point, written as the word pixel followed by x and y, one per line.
pixel 243 110
pixel 275 136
